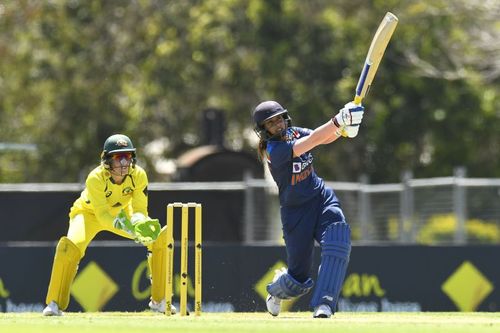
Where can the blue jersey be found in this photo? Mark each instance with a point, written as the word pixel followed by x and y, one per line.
pixel 295 176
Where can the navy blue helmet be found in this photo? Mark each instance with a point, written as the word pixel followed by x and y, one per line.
pixel 267 110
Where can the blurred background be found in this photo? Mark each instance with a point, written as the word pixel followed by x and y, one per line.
pixel 181 79
pixel 74 72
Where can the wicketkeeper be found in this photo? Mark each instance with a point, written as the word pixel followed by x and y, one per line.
pixel 114 199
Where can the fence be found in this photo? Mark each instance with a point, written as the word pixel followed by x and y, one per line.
pixel 444 210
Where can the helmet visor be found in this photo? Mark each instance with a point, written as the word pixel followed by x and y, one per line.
pixel 119 157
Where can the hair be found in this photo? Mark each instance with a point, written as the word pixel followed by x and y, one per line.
pixel 261 151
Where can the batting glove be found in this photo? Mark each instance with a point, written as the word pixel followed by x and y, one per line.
pixel 350 131
pixel 350 114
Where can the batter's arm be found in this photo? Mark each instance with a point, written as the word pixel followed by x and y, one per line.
pixel 323 134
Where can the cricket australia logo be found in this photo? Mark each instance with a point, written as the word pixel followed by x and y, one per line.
pixel 122 143
pixel 127 190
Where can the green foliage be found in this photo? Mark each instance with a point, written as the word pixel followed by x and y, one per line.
pixel 72 72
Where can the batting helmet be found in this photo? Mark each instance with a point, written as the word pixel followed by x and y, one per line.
pixel 117 143
pixel 266 110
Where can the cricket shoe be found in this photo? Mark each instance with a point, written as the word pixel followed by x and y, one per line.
pixel 160 307
pixel 52 309
pixel 322 311
pixel 273 305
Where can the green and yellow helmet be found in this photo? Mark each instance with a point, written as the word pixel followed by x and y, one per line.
pixel 117 143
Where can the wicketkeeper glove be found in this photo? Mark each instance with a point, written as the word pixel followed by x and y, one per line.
pixel 146 228
pixel 122 222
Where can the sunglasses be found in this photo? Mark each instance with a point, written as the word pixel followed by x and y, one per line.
pixel 121 156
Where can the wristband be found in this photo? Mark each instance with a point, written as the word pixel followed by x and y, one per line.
pixel 335 122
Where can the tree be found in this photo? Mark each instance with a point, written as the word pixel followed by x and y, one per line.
pixel 74 72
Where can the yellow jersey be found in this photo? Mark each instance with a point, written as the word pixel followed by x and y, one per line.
pixel 103 198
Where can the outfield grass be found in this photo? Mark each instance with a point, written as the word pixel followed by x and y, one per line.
pixel 345 322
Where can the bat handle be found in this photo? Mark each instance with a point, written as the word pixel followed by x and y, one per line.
pixel 357 100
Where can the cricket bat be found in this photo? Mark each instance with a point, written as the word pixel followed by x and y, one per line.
pixel 373 58
pixel 375 54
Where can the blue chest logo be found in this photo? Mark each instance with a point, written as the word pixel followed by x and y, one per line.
pixel 302 169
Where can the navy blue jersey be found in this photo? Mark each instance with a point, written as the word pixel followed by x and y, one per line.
pixel 295 176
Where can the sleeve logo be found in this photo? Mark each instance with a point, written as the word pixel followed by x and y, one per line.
pixel 297 167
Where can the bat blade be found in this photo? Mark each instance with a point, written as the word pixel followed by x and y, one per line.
pixel 375 53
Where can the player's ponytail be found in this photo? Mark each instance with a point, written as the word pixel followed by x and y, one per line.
pixel 262 150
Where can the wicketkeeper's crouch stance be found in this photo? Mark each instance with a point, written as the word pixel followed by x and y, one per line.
pixel 114 199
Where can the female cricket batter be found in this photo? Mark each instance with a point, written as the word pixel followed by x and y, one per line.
pixel 309 210
pixel 115 191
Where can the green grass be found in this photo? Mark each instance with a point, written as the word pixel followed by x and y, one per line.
pixel 345 322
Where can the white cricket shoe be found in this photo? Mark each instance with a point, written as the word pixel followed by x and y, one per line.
pixel 160 307
pixel 52 309
pixel 273 305
pixel 322 311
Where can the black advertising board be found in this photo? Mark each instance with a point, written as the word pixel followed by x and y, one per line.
pixel 380 278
